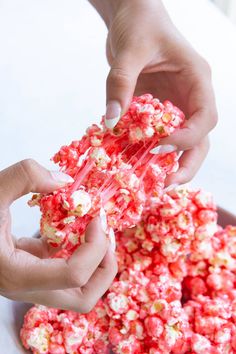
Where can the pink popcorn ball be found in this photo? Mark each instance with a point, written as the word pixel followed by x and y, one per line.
pixel 112 169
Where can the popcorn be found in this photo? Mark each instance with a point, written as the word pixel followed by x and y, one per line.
pixel 200 344
pixel 118 303
pixel 67 332
pixel 38 338
pixel 175 288
pixel 81 203
pixel 154 326
pixel 112 169
pixel 163 300
pixel 100 157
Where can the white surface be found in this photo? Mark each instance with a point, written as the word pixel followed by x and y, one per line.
pixel 229 7
pixel 52 86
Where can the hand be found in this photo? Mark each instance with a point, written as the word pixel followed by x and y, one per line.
pixel 147 54
pixel 26 272
pixel 225 217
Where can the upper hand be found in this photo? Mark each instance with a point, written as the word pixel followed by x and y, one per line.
pixel 147 54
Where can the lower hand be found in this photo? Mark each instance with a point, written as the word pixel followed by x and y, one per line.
pixel 26 272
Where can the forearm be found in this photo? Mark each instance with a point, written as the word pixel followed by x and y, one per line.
pixel 106 8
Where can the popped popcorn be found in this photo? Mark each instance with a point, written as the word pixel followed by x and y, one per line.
pixel 175 288
pixel 112 169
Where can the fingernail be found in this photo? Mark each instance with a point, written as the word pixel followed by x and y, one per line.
pixel 112 240
pixel 163 149
pixel 113 113
pixel 103 219
pixel 179 154
pixel 61 177
pixel 170 187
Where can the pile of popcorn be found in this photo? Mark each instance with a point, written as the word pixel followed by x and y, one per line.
pixel 175 288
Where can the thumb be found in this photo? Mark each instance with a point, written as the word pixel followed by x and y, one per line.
pixel 28 176
pixel 121 82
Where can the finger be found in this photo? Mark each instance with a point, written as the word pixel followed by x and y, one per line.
pixel 28 176
pixel 121 83
pixel 101 279
pixel 6 241
pixel 225 217
pixel 32 273
pixel 89 255
pixel 80 300
pixel 37 247
pixel 202 119
pixel 189 164
pixel 22 271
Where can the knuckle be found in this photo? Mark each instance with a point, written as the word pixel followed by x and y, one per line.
pixel 118 76
pixel 28 167
pixel 77 278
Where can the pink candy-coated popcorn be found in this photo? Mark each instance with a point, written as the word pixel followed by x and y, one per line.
pixel 175 289
pixel 154 326
pixel 112 169
pixel 65 331
pixel 142 310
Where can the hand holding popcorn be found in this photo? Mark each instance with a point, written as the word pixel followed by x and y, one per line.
pixel 28 273
pixel 147 53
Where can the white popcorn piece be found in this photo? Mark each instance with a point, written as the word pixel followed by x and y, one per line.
pixel 100 157
pixel 81 202
pixel 39 339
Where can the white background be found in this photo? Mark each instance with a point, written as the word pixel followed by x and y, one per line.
pixel 229 7
pixel 52 86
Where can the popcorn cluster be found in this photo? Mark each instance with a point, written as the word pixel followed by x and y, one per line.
pixel 174 292
pixel 113 170
pixel 175 288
